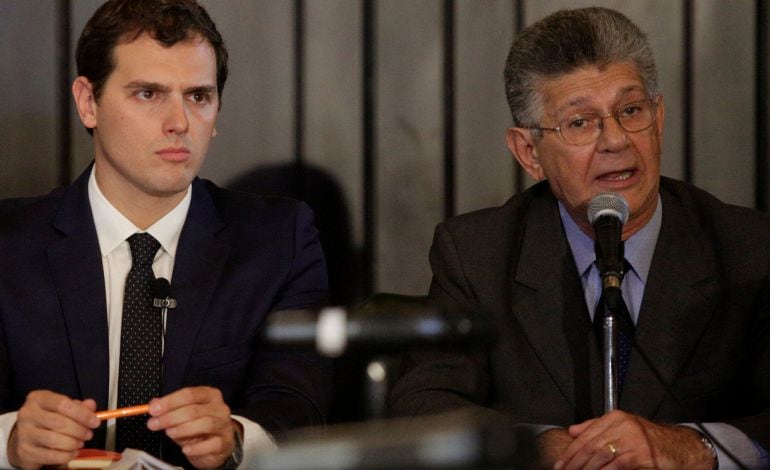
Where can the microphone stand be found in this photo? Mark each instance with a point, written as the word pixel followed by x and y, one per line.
pixel 612 295
pixel 607 213
pixel 610 365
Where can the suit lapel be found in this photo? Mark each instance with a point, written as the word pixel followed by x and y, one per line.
pixel 199 262
pixel 78 276
pixel 547 298
pixel 679 301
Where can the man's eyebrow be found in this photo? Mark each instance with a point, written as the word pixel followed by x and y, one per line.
pixel 582 99
pixel 201 89
pixel 140 84
pixel 143 85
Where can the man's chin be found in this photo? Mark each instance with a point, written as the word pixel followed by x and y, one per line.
pixel 168 190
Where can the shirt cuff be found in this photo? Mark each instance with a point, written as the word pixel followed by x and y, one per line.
pixel 537 429
pixel 735 441
pixel 255 441
pixel 7 422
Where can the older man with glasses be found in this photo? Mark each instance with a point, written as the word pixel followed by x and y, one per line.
pixel 588 120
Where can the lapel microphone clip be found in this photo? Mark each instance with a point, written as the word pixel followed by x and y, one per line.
pixel 161 293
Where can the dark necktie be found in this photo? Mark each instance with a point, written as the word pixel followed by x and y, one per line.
pixel 625 330
pixel 140 347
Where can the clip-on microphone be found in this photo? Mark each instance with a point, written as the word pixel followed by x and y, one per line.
pixel 161 293
pixel 161 298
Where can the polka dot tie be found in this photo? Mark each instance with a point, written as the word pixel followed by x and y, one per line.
pixel 140 348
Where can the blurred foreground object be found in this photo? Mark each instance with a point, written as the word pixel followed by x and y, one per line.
pixel 460 439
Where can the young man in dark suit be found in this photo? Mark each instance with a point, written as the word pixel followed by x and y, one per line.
pixel 151 75
pixel 588 119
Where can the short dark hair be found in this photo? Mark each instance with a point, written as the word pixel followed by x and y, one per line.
pixel 166 21
pixel 564 41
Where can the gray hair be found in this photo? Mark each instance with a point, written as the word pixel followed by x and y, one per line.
pixel 564 41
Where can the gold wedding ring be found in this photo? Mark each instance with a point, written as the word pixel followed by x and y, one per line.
pixel 613 450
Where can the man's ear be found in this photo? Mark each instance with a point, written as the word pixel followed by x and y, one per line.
pixel 85 102
pixel 521 143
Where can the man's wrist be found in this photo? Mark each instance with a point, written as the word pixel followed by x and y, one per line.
pixel 709 446
pixel 707 451
pixel 235 459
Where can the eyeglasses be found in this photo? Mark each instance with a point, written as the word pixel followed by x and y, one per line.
pixel 585 128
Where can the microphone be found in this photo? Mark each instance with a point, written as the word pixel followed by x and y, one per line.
pixel 161 293
pixel 607 212
pixel 332 331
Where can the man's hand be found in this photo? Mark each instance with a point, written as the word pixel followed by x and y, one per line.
pixel 551 444
pixel 49 430
pixel 198 420
pixel 623 440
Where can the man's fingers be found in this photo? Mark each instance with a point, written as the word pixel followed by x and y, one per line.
pixel 588 456
pixel 598 459
pixel 185 397
pixel 31 446
pixel 203 426
pixel 90 404
pixel 215 444
pixel 53 403
pixel 577 429
pixel 591 440
pixel 207 417
pixel 198 420
pixel 200 409
pixel 50 439
pixel 581 449
pixel 33 416
pixel 39 456
pixel 49 429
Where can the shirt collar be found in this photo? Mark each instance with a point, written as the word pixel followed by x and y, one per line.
pixel 113 228
pixel 638 249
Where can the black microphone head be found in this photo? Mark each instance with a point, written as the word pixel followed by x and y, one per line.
pixel 161 288
pixel 611 204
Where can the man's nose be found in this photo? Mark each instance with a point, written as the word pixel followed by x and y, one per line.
pixel 176 120
pixel 613 136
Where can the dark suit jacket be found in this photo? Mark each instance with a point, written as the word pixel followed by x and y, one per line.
pixel 704 321
pixel 239 258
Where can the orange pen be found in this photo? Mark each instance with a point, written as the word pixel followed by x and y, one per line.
pixel 123 412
